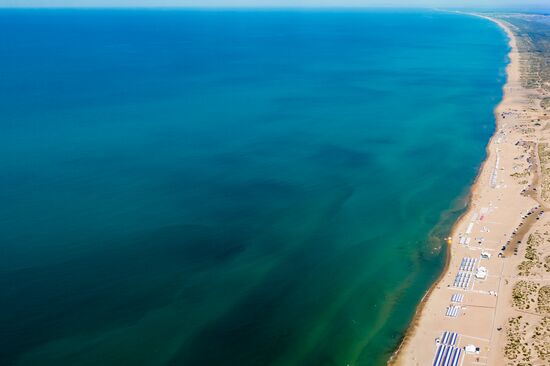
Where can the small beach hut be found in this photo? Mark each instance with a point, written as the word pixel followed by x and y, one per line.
pixel 471 349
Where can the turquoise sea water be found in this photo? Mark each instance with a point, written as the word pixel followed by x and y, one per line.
pixel 231 187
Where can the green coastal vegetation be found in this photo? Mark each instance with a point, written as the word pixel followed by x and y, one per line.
pixel 528 332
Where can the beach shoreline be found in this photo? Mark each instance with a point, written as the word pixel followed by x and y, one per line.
pixel 402 353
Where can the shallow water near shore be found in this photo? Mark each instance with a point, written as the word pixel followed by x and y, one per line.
pixel 232 187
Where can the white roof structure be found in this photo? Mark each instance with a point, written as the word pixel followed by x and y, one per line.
pixel 470 348
pixel 481 273
pixel 485 255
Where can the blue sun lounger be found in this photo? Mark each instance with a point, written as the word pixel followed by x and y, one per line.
pixel 449 338
pixel 452 311
pixel 447 355
pixel 463 263
pixel 457 298
pixel 472 265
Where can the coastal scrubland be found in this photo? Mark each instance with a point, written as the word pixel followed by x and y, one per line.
pixel 528 327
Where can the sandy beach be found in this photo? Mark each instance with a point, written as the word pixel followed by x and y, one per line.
pixel 490 305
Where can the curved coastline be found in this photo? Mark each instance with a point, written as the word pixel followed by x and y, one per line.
pixel 511 76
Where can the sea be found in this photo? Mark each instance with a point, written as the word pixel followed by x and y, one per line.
pixel 232 187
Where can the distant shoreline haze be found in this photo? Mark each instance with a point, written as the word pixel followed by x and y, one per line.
pixel 485 4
